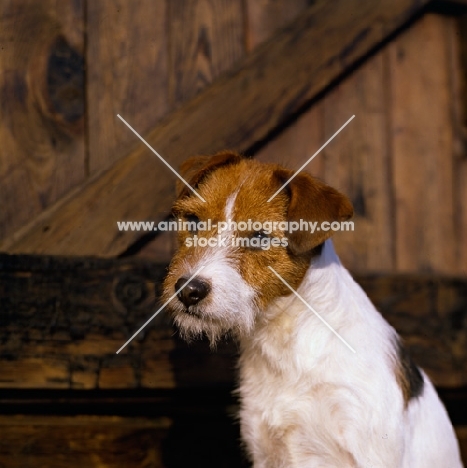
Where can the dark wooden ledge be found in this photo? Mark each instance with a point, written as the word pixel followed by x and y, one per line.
pixel 63 318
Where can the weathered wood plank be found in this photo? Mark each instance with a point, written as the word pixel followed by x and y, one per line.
pixel 127 73
pixel 206 433
pixel 109 442
pixel 205 428
pixel 457 35
pixel 76 313
pixel 264 18
pixel 298 142
pixel 206 39
pixel 62 320
pixel 237 111
pixel 42 120
pixel 461 38
pixel 161 248
pixel 197 421
pixel 422 147
pixel 78 441
pixel 357 163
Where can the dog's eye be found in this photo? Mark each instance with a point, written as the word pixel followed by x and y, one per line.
pixel 191 223
pixel 259 240
pixel 259 235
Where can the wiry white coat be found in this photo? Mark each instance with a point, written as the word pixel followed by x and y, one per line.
pixel 308 401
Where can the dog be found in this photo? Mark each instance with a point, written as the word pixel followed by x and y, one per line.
pixel 308 398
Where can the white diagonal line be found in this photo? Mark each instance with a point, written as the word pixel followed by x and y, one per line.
pixel 176 292
pixel 311 308
pixel 322 147
pixel 161 158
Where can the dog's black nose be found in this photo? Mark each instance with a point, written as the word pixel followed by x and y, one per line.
pixel 193 292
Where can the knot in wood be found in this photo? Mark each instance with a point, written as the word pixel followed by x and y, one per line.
pixel 65 81
pixel 131 290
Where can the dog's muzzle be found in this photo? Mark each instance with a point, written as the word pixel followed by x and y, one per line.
pixel 193 292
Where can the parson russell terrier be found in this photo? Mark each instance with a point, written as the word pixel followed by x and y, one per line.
pixel 307 400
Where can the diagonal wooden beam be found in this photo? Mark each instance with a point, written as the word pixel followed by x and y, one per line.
pixel 235 112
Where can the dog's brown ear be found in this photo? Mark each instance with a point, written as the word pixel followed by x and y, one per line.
pixel 312 200
pixel 195 169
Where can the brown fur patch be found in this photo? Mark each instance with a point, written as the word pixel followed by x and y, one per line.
pixel 198 167
pixel 408 375
pixel 312 200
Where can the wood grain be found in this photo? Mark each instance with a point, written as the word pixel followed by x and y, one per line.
pixel 299 142
pixel 75 313
pixel 457 37
pixel 264 18
pixel 206 38
pixel 161 249
pixel 422 144
pixel 127 74
pixel 78 441
pixel 357 163
pixel 273 82
pixel 64 318
pixel 206 433
pixel 42 151
pixel 146 431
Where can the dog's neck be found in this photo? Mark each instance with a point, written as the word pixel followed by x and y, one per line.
pixel 322 287
pixel 324 280
pixel 330 291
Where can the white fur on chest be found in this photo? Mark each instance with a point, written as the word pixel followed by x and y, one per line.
pixel 308 401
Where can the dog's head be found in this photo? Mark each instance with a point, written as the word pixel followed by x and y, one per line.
pixel 236 283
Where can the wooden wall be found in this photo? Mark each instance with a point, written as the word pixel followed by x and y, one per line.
pixel 43 150
pixel 69 67
pixel 402 160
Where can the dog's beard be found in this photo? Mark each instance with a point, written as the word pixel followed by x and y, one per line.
pixel 197 322
pixel 230 307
